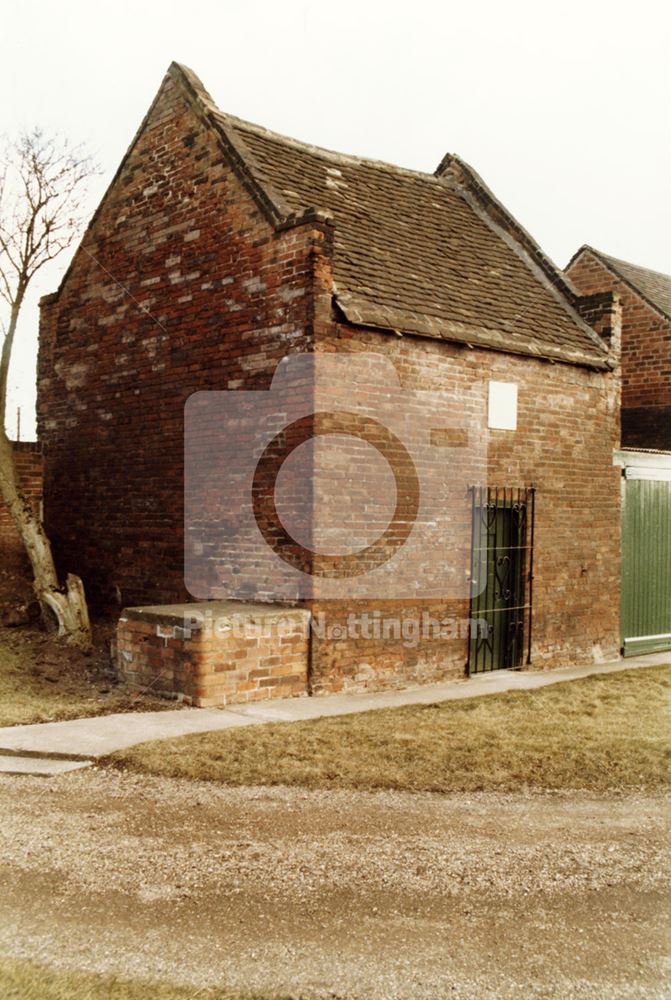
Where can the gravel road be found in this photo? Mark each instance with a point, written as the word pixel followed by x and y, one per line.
pixel 339 894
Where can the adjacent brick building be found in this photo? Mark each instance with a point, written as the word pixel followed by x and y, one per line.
pixel 221 249
pixel 646 341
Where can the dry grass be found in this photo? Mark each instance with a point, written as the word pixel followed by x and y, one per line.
pixel 41 679
pixel 20 980
pixel 604 732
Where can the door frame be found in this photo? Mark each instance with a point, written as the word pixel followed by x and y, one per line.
pixel 655 466
pixel 508 548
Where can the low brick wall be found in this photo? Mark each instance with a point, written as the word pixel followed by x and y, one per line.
pixel 215 653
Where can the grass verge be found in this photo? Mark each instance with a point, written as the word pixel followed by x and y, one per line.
pixel 21 980
pixel 610 731
pixel 42 680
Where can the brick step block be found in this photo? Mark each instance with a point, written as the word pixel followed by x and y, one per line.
pixel 215 653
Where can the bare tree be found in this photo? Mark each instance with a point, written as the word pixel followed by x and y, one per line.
pixel 42 185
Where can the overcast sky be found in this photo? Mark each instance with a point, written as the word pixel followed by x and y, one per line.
pixel 564 110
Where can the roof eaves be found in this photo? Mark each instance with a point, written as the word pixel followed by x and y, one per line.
pixel 360 311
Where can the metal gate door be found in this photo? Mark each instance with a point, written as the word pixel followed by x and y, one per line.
pixel 501 577
pixel 646 560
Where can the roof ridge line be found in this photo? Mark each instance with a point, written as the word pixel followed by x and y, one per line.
pixel 630 263
pixel 322 151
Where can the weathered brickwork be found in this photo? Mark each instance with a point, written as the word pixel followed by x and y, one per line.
pixel 209 655
pixel 182 284
pixel 646 355
pixel 563 446
pixel 15 573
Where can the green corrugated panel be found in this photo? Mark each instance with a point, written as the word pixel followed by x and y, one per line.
pixel 646 566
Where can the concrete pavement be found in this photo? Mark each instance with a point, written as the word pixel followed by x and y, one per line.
pixel 80 741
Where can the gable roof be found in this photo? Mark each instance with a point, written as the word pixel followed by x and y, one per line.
pixel 413 253
pixel 653 286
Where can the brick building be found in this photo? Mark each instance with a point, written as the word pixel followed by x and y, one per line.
pixel 219 251
pixel 646 341
pixel 645 457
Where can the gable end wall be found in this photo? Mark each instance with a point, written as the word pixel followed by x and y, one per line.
pixel 645 354
pixel 181 285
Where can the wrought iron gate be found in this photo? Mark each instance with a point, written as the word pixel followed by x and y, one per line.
pixel 501 577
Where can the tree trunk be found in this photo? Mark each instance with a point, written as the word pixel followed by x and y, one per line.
pixel 68 604
pixel 36 223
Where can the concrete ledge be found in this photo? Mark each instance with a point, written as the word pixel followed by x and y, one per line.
pixel 219 613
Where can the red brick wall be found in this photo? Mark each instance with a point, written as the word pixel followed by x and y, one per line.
pixel 182 286
pixel 646 356
pixel 564 443
pixel 228 660
pixel 15 572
